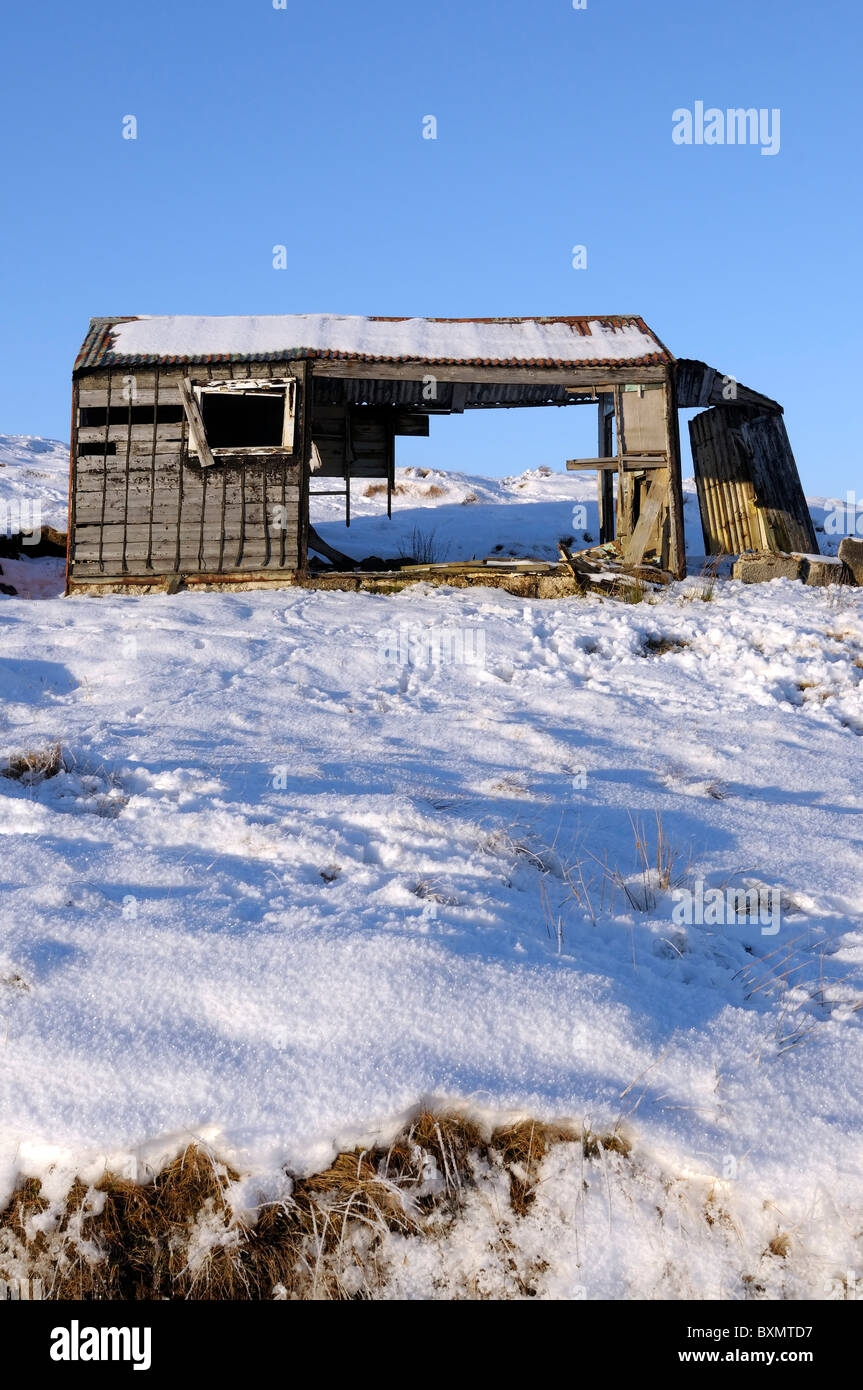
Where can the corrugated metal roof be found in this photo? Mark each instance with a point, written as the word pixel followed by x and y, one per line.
pixel 582 341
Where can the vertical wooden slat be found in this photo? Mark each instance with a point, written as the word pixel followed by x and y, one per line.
pixel 105 474
pixel 242 545
pixel 123 566
pixel 153 468
pixel 304 435
pixel 180 467
pixel 205 477
pixel 267 545
pixel 283 530
pixel 222 518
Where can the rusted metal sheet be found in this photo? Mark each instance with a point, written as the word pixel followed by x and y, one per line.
pixel 749 491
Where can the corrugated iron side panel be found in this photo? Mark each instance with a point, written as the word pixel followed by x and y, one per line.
pixel 370 391
pixel 726 496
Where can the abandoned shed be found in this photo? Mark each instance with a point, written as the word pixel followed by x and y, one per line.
pixel 197 442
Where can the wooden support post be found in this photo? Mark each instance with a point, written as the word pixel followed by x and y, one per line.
pixel 626 483
pixel 303 434
pixel 676 534
pixel 605 481
pixel 391 464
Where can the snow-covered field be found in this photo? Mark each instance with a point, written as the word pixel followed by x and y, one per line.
pixel 317 859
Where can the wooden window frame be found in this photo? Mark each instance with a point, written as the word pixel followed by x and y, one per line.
pixel 192 393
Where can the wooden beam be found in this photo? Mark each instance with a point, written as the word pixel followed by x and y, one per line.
pixel 197 433
pixel 604 378
pixel 576 465
pixel 632 463
pixel 322 547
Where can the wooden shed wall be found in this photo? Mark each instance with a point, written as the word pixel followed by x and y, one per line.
pixel 149 509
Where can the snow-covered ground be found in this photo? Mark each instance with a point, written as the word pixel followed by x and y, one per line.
pixel 462 517
pixel 34 470
pixel 319 858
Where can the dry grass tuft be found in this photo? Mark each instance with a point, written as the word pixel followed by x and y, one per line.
pixel 659 646
pixel 780 1245
pixel 597 1144
pixel 423 549
pixel 177 1237
pixel 375 489
pixel 628 590
pixel 36 766
pixel 522 1147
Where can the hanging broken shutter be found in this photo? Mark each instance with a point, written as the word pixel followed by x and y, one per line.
pixel 197 433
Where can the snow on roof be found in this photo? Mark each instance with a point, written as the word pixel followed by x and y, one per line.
pixel 582 341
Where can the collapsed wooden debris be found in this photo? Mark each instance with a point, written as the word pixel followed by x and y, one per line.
pixel 603 564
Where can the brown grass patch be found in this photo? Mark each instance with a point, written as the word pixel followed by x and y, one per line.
pixel 659 646
pixel 36 766
pixel 176 1237
pixel 522 1147
pixel 375 489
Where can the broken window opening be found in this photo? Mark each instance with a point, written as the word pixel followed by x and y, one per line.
pixel 251 418
pixel 247 420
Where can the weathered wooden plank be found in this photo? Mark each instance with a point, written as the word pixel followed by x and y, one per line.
pixel 118 434
pixel 192 556
pixel 144 378
pixel 644 423
pixel 605 377
pixel 648 521
pixel 96 398
pixel 197 434
pixel 114 530
pixel 674 547
pixel 634 463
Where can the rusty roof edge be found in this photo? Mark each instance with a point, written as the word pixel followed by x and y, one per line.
pixel 108 359
pixel 92 353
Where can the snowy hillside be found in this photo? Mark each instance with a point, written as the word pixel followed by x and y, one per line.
pixel 299 874
pixel 33 469
pixel 465 517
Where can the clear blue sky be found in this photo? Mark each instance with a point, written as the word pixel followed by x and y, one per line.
pixel 303 126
